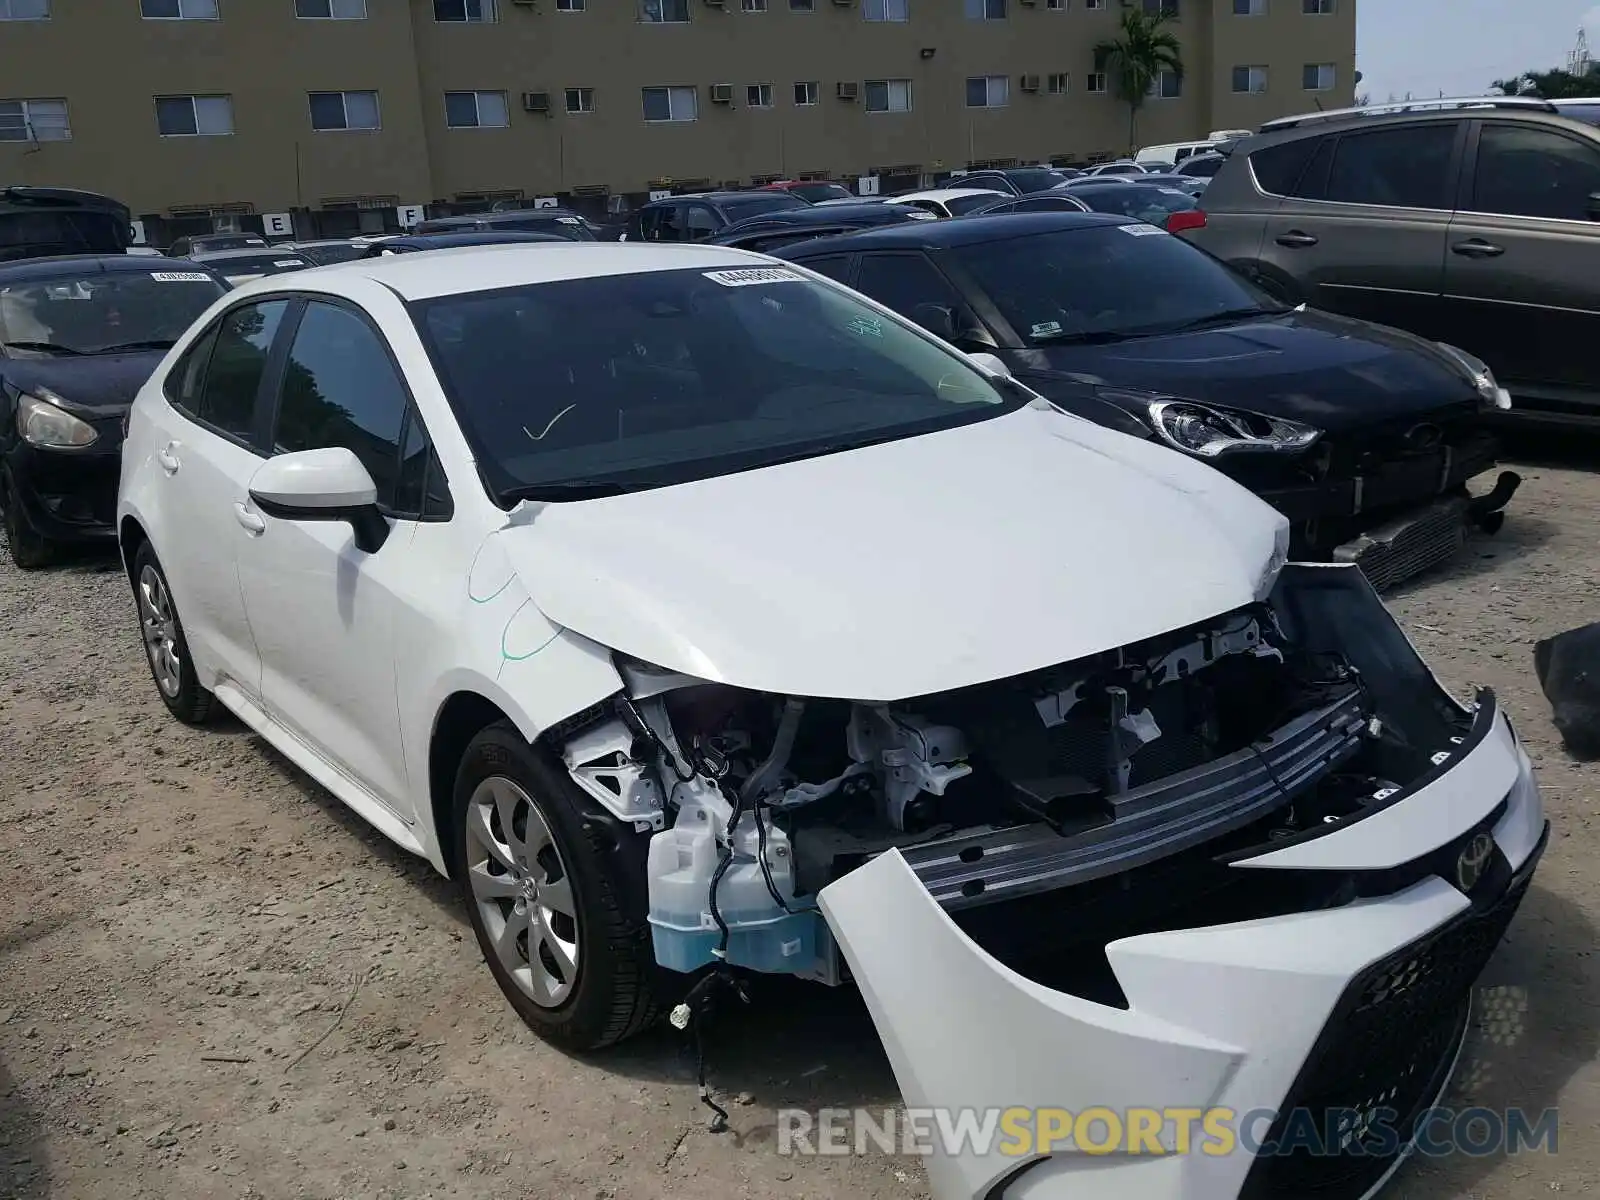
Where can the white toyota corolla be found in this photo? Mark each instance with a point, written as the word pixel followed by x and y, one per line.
pixel 699 615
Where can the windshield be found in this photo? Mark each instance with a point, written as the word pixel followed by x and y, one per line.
pixel 815 192
pixel 1106 282
pixel 92 313
pixel 744 207
pixel 334 252
pixel 1141 201
pixel 1035 179
pixel 565 226
pixel 256 264
pixel 49 232
pixel 643 380
pixel 961 205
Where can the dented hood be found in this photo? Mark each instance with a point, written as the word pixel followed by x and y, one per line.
pixel 906 568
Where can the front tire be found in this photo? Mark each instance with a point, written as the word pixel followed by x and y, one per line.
pixel 28 549
pixel 166 650
pixel 563 932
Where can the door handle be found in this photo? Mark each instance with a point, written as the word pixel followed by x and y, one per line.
pixel 254 522
pixel 1295 239
pixel 168 460
pixel 1478 248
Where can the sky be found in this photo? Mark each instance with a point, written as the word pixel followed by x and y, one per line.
pixel 1461 46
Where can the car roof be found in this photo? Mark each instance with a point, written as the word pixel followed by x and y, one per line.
pixel 943 194
pixel 717 197
pixel 1408 110
pixel 242 252
pixel 816 214
pixel 67 264
pixel 970 230
pixel 458 270
pixel 469 237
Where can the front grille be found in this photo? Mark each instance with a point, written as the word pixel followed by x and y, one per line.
pixel 1383 1057
pixel 1409 545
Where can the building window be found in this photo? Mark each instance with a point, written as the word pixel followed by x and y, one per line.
pixel 805 94
pixel 758 95
pixel 1168 85
pixel 671 104
pixel 1058 5
pixel 888 95
pixel 24 10
pixel 194 116
pixel 1095 83
pixel 1249 8
pixel 569 5
pixel 886 10
pixel 344 110
pixel 1058 84
pixel 1249 80
pixel 1317 8
pixel 664 12
pixel 453 11
pixel 178 10
pixel 986 10
pixel 1317 77
pixel 1094 5
pixel 34 121
pixel 802 5
pixel 754 5
pixel 476 110
pixel 580 100
pixel 988 91
pixel 331 10
pixel 1154 8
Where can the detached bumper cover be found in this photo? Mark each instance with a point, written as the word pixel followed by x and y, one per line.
pixel 1259 1015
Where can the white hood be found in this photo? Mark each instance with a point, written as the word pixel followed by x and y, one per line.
pixel 907 568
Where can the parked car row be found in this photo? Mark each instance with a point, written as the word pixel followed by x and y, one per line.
pixel 700 616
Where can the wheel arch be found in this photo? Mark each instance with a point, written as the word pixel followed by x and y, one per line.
pixel 130 536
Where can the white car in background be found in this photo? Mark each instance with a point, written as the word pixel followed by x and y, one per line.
pixel 697 614
pixel 951 201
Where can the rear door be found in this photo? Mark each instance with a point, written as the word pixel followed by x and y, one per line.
pixel 1522 275
pixel 1364 232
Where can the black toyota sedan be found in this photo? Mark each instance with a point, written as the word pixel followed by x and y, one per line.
pixel 1365 437
pixel 79 336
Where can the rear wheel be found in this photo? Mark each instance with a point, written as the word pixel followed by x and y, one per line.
pixel 165 648
pixel 561 929
pixel 28 549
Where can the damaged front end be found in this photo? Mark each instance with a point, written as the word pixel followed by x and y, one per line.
pixel 1219 867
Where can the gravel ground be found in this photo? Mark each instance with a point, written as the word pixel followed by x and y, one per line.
pixel 216 982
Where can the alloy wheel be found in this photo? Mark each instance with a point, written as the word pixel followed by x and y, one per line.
pixel 160 627
pixel 522 890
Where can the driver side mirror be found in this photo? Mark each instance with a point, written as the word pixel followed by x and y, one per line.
pixel 329 484
pixel 958 327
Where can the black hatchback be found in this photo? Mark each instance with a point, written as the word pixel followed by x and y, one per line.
pixel 1364 437
pixel 78 338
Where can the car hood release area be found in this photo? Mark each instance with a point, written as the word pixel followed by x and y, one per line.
pixel 911 567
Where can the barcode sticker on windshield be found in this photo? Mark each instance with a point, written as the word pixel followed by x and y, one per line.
pixel 746 276
pixel 288 262
pixel 1141 230
pixel 179 276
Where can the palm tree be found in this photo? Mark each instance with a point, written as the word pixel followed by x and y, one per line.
pixel 1136 58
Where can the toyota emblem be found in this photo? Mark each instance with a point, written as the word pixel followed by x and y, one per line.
pixel 1473 861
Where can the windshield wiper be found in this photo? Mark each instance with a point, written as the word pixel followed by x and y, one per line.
pixel 568 489
pixel 1086 337
pixel 43 348
pixel 147 344
pixel 1222 318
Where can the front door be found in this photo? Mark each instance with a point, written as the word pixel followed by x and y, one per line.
pixel 323 611
pixel 1522 276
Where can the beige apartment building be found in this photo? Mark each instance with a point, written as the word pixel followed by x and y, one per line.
pixel 198 108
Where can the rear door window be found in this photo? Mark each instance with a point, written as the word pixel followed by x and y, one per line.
pixel 1528 172
pixel 1408 167
pixel 700 222
pixel 1279 168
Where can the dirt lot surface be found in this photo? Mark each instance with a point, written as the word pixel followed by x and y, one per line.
pixel 216 982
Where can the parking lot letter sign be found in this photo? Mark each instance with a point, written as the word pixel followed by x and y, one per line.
pixel 867 185
pixel 277 224
pixel 409 215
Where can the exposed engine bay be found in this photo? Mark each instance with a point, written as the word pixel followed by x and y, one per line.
pixel 1277 721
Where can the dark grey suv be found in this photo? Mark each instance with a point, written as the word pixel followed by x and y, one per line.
pixel 1476 224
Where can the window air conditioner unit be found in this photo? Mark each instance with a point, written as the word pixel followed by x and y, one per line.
pixel 722 93
pixel 1030 83
pixel 846 91
pixel 536 102
pixel 844 3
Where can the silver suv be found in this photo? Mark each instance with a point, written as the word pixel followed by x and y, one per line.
pixel 1475 222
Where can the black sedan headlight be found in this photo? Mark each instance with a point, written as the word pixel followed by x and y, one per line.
pixel 1490 394
pixel 40 422
pixel 1209 432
